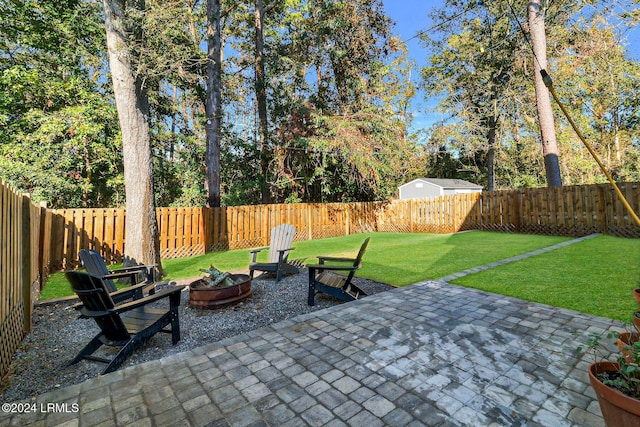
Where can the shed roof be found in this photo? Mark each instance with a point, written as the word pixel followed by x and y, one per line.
pixel 448 183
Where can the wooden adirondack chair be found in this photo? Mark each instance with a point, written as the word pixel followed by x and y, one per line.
pixel 126 325
pixel 323 279
pixel 95 265
pixel 279 248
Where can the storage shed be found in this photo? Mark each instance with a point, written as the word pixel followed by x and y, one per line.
pixel 433 187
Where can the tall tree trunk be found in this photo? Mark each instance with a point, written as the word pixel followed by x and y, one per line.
pixel 213 104
pixel 261 99
pixel 132 104
pixel 545 112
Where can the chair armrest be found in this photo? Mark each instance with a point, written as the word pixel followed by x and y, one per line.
pixel 133 268
pixel 323 267
pixel 121 274
pixel 85 312
pixel 130 290
pixel 254 253
pixel 148 299
pixel 283 254
pixel 149 268
pixel 322 259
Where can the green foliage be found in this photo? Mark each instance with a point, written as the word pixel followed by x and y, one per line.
pixel 347 41
pixel 338 96
pixel 179 172
pixel 240 172
pixel 57 136
pixel 359 156
pixel 481 67
pixel 296 39
pixel 600 87
pixel 626 378
pixel 338 93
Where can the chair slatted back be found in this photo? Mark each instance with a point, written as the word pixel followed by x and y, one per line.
pixel 358 259
pixel 98 304
pixel 281 238
pixel 95 265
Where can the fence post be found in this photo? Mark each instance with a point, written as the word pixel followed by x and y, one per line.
pixel 604 221
pixel 203 229
pixel 454 209
pixel 41 248
pixel 310 220
pixel 516 210
pixel 347 219
pixel 26 263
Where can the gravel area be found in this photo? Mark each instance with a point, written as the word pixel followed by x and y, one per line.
pixel 41 363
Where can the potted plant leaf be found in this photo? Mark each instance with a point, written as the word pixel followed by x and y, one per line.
pixel 617 384
pixel 625 341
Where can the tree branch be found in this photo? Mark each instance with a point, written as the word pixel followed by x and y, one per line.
pixel 268 8
pixel 230 9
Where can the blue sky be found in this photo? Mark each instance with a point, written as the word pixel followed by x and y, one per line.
pixel 411 16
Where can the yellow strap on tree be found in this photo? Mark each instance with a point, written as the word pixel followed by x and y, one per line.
pixel 549 84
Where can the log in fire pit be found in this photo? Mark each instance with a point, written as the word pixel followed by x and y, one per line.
pixel 219 289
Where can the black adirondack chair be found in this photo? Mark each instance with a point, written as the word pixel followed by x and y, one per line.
pixel 323 279
pixel 95 265
pixel 126 325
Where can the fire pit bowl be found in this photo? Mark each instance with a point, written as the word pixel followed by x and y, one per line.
pixel 202 296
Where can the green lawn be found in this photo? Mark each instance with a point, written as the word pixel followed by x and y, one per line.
pixel 595 276
pixel 398 259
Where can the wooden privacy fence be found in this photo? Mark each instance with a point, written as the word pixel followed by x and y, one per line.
pixel 571 211
pixel 191 231
pixel 23 230
pixel 566 211
pixel 35 240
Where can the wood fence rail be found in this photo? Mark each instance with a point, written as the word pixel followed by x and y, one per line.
pixel 36 240
pixel 571 211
